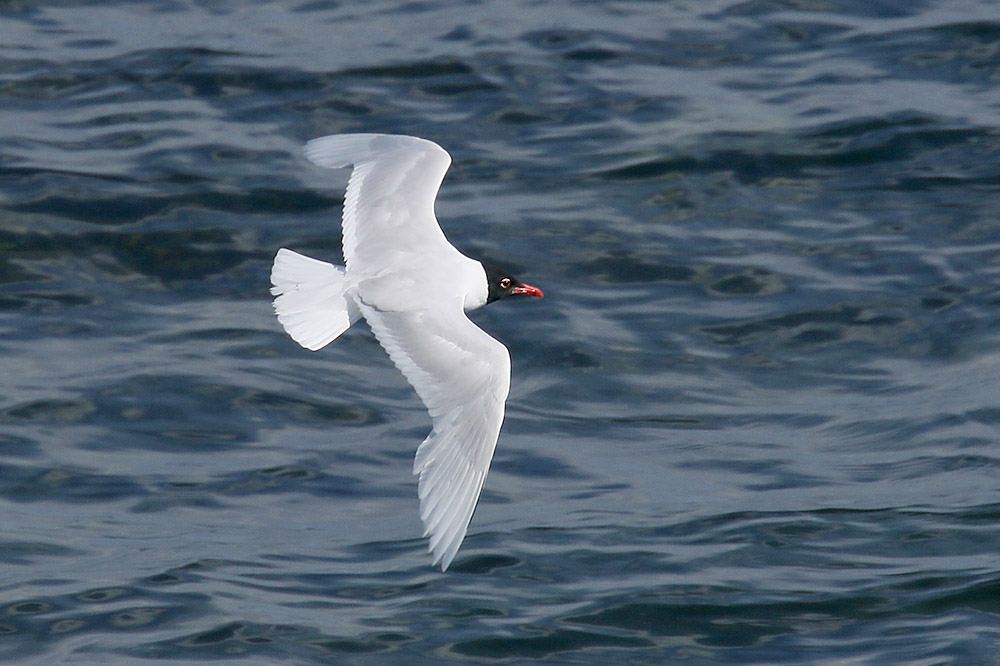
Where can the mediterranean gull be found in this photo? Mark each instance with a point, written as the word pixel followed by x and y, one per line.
pixel 413 288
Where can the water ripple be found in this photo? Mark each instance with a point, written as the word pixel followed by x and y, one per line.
pixel 753 421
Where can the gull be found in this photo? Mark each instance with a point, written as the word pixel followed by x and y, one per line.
pixel 413 288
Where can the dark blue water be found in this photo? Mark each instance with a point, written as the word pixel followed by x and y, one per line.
pixel 756 419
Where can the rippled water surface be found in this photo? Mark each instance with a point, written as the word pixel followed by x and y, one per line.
pixel 756 419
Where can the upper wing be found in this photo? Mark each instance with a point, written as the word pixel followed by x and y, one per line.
pixel 389 206
pixel 463 377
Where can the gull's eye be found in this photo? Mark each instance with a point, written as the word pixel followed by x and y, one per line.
pixel 504 283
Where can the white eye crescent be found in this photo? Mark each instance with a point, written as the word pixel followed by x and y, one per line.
pixel 504 283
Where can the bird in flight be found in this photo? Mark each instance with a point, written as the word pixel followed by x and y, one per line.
pixel 412 287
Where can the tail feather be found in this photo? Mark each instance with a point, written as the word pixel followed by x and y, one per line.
pixel 309 299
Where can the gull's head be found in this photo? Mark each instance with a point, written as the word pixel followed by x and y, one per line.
pixel 501 284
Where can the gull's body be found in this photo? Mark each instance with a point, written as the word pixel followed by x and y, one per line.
pixel 413 287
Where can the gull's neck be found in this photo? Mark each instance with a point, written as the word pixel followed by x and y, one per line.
pixel 478 287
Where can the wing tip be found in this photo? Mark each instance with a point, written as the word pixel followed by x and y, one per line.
pixel 336 151
pixel 444 556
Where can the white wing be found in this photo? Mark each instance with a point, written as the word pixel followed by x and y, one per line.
pixel 463 377
pixel 389 205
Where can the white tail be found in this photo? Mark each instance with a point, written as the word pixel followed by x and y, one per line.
pixel 309 299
